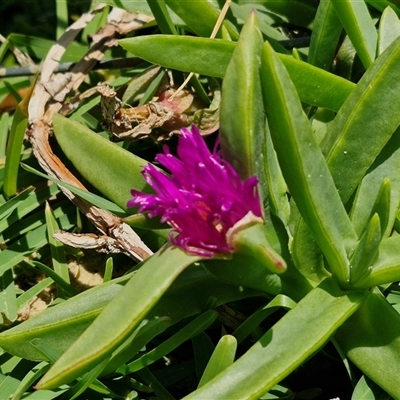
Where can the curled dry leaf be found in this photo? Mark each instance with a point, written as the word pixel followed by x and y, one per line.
pixel 89 241
pixel 170 110
pixel 207 119
pixel 130 123
pixel 48 96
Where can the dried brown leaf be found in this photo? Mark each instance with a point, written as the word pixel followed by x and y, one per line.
pixel 48 97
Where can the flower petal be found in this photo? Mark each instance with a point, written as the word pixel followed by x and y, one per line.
pixel 201 199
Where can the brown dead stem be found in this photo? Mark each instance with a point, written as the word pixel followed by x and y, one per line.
pixel 48 97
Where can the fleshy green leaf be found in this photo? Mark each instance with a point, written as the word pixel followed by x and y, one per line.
pixel 59 326
pixel 211 57
pixel 285 346
pixel 304 167
pixel 358 24
pixel 253 250
pixel 367 250
pixel 307 255
pixel 222 357
pixel 110 329
pixel 389 29
pixel 382 204
pixel 325 36
pixel 370 338
pixel 162 17
pixel 386 268
pixel 199 16
pixel 373 193
pixel 368 390
pixel 382 4
pixel 242 136
pixel 252 322
pixel 111 169
pixel 356 126
pixel 277 188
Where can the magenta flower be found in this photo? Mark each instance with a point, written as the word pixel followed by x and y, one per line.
pixel 201 200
